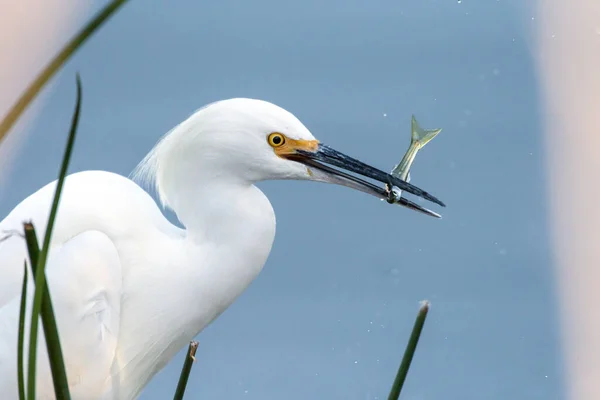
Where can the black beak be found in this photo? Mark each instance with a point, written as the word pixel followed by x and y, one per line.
pixel 325 158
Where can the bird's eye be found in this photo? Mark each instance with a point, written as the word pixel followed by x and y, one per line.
pixel 276 139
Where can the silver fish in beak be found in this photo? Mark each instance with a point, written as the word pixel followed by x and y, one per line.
pixel 418 139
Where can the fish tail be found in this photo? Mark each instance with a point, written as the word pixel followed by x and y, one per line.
pixel 419 136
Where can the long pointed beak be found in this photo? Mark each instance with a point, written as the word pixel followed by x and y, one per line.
pixel 324 159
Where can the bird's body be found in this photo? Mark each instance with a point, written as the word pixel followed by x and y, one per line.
pixel 116 259
pixel 130 289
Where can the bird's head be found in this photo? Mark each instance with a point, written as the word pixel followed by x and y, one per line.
pixel 249 140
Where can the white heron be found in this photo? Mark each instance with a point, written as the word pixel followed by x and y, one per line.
pixel 129 288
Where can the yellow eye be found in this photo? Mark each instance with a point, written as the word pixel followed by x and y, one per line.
pixel 276 139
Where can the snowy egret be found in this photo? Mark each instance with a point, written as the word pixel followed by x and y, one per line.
pixel 129 288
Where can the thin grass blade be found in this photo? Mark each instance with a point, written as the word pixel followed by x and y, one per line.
pixel 185 371
pixel 21 339
pixel 67 51
pixel 57 365
pixel 61 388
pixel 409 352
pixel 33 248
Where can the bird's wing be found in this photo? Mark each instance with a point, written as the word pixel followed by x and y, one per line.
pixel 85 279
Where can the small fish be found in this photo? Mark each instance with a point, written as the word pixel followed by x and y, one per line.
pixel 418 139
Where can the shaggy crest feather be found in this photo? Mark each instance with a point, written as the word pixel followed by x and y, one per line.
pixel 147 172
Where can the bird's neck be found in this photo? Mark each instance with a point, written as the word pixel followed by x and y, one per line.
pixel 222 211
pixel 230 231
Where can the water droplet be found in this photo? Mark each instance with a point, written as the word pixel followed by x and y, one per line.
pixel 459 1
pixel 384 114
pixel 355 362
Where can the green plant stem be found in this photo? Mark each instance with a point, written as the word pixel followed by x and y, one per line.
pixel 57 364
pixel 21 340
pixel 61 390
pixel 70 48
pixel 185 371
pixel 409 352
pixel 32 245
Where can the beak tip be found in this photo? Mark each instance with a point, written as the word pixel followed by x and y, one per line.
pixel 436 200
pixel 403 201
pixel 434 214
